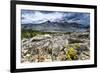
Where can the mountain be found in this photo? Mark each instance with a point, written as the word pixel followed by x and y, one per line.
pixel 56 26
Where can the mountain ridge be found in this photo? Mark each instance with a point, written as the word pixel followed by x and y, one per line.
pixel 55 26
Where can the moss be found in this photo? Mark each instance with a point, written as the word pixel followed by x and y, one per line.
pixel 71 54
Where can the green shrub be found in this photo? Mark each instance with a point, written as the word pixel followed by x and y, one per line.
pixel 71 54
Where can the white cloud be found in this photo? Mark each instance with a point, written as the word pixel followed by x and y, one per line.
pixel 39 16
pixel 36 17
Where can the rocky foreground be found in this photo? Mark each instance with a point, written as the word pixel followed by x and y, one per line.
pixel 56 47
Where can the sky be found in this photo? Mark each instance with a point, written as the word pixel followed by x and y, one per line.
pixel 36 17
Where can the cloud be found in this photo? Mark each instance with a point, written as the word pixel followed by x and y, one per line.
pixel 39 16
pixel 35 17
pixel 81 18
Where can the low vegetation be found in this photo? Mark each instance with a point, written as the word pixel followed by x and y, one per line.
pixel 66 46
